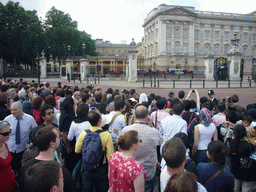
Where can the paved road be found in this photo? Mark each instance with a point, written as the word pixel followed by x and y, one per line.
pixel 247 95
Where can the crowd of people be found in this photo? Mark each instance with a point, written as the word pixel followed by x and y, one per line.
pixel 71 138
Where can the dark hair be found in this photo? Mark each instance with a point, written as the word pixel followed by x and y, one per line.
pixel 102 107
pixel 93 117
pixel 126 140
pixel 247 118
pixel 232 116
pixel 182 181
pixel 203 100
pixel 85 97
pixel 62 93
pixel 193 103
pixel 141 112
pixel 82 110
pixel 153 96
pixel 161 103
pixel 174 152
pixel 183 137
pixel 178 108
pixel 44 137
pixel 4 88
pixel 42 176
pixel 109 90
pixel 221 106
pixel 187 104
pixel 218 152
pixel 3 98
pixel 181 94
pixel 250 106
pixel 50 99
pixel 234 98
pixel 36 102
pixel 44 108
pixel 157 97
pixel 98 97
pixel 132 91
pixel 239 133
pixel 119 104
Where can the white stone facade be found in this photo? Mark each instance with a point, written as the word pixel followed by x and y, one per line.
pixel 181 37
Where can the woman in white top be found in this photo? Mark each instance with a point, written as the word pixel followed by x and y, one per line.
pixel 203 134
pixel 80 123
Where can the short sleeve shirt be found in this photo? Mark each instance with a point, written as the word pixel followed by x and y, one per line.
pixel 122 172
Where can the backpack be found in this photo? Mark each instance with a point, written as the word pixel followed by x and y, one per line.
pixel 92 152
pixel 190 130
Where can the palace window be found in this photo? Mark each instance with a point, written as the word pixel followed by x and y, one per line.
pixel 176 32
pixel 254 37
pixel 196 34
pixel 184 49
pixel 217 35
pixel 168 48
pixel 207 34
pixel 226 35
pixel 196 49
pixel 185 33
pixel 245 37
pixel 216 51
pixel 176 48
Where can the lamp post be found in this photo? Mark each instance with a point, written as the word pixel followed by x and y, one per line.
pixel 69 49
pixel 84 46
pixel 39 68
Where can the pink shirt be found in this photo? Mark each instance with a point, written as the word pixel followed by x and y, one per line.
pixel 161 114
pixel 122 172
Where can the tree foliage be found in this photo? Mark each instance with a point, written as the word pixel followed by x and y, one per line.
pixel 23 35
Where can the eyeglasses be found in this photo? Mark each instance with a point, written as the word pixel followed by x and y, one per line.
pixel 3 124
pixel 6 133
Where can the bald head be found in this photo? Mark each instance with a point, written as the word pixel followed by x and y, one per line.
pixel 141 112
pixel 17 109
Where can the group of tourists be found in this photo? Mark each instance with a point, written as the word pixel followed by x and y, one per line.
pixel 71 138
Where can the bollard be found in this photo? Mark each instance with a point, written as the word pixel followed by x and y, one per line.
pixel 143 82
pixel 87 80
pixel 250 83
pixel 173 83
pixel 228 83
pixel 190 83
pixel 241 83
pixel 98 80
pixel 158 83
pixel 216 83
pixel 95 80
pixel 203 83
pixel 154 82
pixel 150 82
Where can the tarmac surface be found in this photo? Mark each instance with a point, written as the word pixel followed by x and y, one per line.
pixel 246 94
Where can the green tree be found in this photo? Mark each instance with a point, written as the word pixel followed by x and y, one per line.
pixel 20 34
pixel 61 31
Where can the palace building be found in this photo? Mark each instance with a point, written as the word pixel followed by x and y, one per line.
pixel 182 37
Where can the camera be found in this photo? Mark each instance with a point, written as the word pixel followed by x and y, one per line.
pixel 193 91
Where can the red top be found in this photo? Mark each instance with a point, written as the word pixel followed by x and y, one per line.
pixel 122 172
pixel 7 177
pixel 37 116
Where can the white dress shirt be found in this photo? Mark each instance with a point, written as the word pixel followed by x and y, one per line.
pixel 170 126
pixel 27 122
pixel 118 123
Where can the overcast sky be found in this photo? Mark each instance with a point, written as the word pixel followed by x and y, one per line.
pixel 117 20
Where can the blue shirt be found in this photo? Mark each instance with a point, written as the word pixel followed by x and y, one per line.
pixel 223 182
pixel 27 122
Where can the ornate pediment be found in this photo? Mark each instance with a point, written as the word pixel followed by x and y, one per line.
pixel 179 11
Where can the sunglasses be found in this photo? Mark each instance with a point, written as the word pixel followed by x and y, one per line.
pixel 6 133
pixel 140 141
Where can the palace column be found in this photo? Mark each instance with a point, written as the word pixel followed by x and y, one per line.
pixel 132 63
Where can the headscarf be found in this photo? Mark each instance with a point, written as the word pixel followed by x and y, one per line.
pixel 143 97
pixel 205 117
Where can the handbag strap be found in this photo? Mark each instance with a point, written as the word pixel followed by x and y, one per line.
pixel 212 177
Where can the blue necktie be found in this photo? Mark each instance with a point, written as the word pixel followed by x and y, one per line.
pixel 17 135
